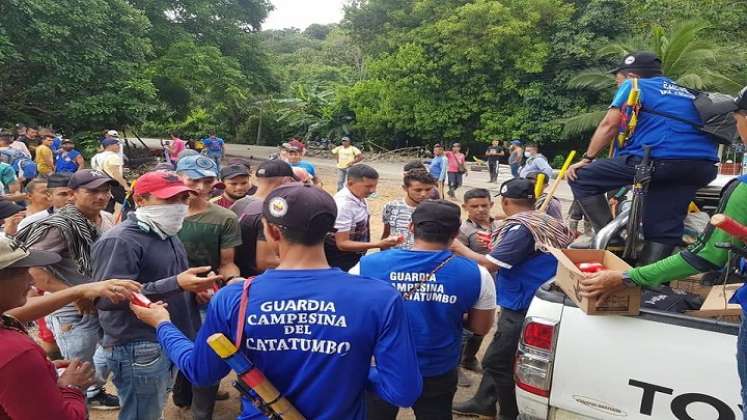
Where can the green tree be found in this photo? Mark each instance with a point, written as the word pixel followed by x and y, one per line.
pixel 76 64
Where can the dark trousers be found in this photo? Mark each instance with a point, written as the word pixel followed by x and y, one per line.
pixel 493 169
pixel 201 399
pixel 118 196
pixel 498 365
pixel 455 181
pixel 514 169
pixel 434 403
pixel 672 187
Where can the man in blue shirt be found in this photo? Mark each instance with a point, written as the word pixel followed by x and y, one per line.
pixel 311 329
pixel 522 267
pixel 535 163
pixel 683 156
pixel 67 159
pixel 439 289
pixel 438 165
pixel 214 147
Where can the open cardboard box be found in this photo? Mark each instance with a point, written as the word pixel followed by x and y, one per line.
pixel 625 302
pixel 717 304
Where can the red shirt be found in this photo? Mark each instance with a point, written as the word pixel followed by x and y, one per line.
pixel 28 383
pixel 454 160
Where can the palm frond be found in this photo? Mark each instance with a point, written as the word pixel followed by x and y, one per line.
pixel 596 79
pixel 582 123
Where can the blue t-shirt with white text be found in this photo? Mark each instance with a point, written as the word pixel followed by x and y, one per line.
pixel 668 137
pixel 437 308
pixel 313 334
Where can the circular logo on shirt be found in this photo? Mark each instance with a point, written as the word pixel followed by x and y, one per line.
pixel 629 60
pixel 278 207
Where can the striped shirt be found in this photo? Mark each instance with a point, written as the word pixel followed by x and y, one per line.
pixel 398 215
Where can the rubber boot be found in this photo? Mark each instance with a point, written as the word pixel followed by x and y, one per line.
pixel 507 406
pixel 482 404
pixel 463 380
pixel 653 252
pixel 597 211
pixel 469 359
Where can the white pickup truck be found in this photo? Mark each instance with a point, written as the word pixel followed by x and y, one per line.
pixel 656 365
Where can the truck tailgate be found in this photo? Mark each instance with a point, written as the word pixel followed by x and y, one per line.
pixel 643 368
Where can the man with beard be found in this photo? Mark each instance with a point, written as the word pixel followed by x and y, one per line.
pixel 237 184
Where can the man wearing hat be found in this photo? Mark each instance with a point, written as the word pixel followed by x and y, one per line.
pixel 256 253
pixel 210 234
pixel 682 155
pixel 110 162
pixel 311 329
pixel 515 157
pixel 71 233
pixel 11 215
pixel 522 265
pixel 347 156
pixel 68 160
pixel 145 248
pixel 237 184
pixel 439 288
pixel 295 151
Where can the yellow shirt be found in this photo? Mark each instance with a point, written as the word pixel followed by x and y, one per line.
pixel 43 159
pixel 345 155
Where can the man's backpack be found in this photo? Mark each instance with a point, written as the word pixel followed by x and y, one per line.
pixel 716 111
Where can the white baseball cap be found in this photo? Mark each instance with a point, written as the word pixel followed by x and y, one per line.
pixel 112 133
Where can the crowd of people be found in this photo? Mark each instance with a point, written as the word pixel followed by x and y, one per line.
pixel 282 268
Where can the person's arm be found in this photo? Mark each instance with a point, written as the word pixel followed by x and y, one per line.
pixel 230 239
pixel 49 158
pixel 396 377
pixel 196 360
pixel 39 307
pixel 80 161
pixel 515 247
pixel 52 241
pixel 606 130
pixel 444 169
pixel 459 248
pixel 342 239
pixel 117 174
pixel 30 391
pixel 482 315
pixel 544 167
pixel 385 215
pixel 228 269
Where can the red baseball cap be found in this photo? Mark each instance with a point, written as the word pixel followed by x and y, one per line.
pixel 297 144
pixel 163 185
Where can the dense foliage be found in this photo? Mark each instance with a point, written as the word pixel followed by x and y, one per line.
pixel 394 72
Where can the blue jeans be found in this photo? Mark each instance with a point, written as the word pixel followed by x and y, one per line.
pixel 342 177
pixel 143 375
pixel 77 336
pixel 216 156
pixel 742 361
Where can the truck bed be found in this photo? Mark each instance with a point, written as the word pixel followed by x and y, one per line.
pixel 656 365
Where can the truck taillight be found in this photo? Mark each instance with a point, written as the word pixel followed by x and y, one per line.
pixel 534 357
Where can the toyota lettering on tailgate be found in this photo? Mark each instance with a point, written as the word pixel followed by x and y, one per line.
pixel 680 402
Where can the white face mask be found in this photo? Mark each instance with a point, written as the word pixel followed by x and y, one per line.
pixel 165 219
pixel 527 154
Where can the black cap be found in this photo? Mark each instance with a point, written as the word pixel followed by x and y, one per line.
pixel 58 180
pixel 741 99
pixel 440 214
pixel 90 179
pixel 8 208
pixel 641 60
pixel 301 207
pixel 274 168
pixel 231 171
pixel 517 188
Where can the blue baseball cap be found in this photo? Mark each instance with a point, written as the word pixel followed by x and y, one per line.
pixel 196 167
pixel 109 142
pixel 516 142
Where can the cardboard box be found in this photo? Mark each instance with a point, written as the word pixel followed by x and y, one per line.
pixel 625 302
pixel 716 302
